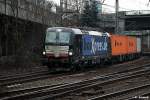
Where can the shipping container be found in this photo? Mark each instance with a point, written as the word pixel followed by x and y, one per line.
pixel 146 43
pixel 132 45
pixel 95 45
pixel 138 45
pixel 118 45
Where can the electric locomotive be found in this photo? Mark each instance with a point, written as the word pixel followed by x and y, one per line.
pixel 70 47
pixel 59 45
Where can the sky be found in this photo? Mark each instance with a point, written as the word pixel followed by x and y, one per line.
pixel 125 5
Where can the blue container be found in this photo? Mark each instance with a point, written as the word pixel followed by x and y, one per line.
pixel 94 45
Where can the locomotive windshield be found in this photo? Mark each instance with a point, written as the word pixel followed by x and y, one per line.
pixel 51 37
pixel 58 37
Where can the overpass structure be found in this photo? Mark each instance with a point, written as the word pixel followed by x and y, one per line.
pixel 128 20
pixel 137 20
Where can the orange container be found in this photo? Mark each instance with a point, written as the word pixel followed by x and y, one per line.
pixel 119 45
pixel 132 45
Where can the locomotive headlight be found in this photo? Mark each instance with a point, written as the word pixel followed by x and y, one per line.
pixel 44 53
pixel 70 53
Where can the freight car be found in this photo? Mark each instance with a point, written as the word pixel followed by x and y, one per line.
pixel 73 48
pixel 124 47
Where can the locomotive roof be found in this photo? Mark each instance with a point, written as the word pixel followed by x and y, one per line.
pixel 106 34
pixel 78 31
pixel 95 33
pixel 75 30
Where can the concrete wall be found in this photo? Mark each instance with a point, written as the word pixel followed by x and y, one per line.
pixel 21 41
pixel 32 10
pixel 18 35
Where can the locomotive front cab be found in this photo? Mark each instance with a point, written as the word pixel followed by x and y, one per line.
pixel 59 46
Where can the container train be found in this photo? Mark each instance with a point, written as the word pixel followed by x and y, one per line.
pixel 71 48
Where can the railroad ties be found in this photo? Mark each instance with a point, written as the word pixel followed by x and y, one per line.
pixel 122 81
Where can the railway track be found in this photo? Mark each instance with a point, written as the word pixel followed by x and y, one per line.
pixel 125 94
pixel 37 75
pixel 22 78
pixel 95 88
pixel 131 89
pixel 60 90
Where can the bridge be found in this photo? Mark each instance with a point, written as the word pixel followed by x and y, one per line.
pixel 137 20
pixel 128 20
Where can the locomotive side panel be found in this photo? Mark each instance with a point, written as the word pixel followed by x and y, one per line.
pixel 95 46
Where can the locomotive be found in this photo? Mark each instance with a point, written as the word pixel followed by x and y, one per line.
pixel 71 48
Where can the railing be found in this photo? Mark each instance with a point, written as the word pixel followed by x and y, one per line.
pixel 137 12
pixel 144 32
